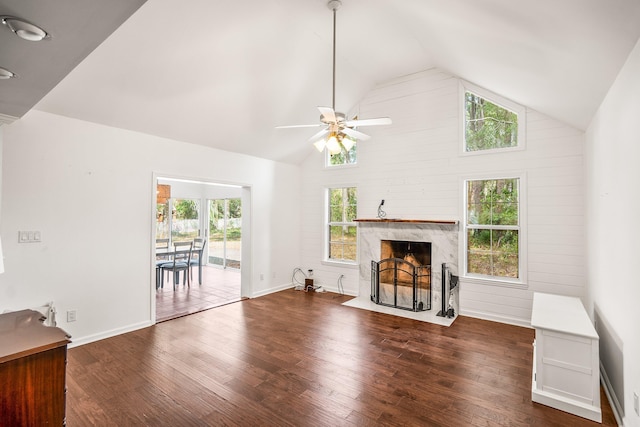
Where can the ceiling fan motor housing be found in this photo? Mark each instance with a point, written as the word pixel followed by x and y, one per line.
pixel 340 117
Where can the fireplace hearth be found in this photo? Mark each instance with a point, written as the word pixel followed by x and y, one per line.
pixel 402 278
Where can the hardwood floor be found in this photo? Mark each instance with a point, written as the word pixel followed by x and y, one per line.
pixel 219 286
pixel 301 359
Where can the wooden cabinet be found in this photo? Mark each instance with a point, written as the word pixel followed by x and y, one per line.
pixel 566 359
pixel 33 360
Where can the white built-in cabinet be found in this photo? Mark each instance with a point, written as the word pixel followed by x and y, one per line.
pixel 566 360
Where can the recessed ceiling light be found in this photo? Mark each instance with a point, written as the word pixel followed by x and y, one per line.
pixel 6 74
pixel 23 29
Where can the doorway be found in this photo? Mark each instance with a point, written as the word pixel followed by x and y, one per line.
pixel 194 210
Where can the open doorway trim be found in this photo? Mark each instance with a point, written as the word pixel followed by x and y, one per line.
pixel 246 266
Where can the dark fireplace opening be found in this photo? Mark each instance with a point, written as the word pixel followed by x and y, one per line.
pixel 402 278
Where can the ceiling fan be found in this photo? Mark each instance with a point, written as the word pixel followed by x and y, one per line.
pixel 338 133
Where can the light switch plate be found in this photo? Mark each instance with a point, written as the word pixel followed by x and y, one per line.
pixel 29 236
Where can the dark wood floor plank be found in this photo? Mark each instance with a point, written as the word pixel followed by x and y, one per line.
pixel 302 359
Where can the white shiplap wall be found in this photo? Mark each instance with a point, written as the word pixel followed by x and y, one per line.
pixel 417 167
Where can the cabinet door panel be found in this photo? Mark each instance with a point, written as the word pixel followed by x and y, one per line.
pixel 33 389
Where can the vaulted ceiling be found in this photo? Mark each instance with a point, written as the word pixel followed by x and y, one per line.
pixel 225 73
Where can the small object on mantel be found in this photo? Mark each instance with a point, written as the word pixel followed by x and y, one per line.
pixel 422 221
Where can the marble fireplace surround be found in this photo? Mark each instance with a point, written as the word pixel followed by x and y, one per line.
pixel 443 236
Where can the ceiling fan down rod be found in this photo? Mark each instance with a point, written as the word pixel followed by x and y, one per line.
pixel 334 5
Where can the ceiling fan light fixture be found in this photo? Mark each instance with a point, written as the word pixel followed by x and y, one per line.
pixel 348 143
pixel 6 74
pixel 23 29
pixel 320 145
pixel 333 145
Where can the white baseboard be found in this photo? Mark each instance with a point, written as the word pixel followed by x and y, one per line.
pixel 336 291
pixel 75 342
pixel 565 404
pixel 611 396
pixel 272 290
pixel 497 318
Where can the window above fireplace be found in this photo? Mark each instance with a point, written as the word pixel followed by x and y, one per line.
pixel 491 123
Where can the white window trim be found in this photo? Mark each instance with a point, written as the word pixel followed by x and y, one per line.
pixel 521 282
pixel 329 166
pixel 326 237
pixel 518 109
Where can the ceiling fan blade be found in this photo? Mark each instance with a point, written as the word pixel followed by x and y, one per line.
pixel 369 122
pixel 328 114
pixel 319 135
pixel 299 126
pixel 355 134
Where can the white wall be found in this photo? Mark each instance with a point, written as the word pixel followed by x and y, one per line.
pixel 613 230
pixel 416 166
pixel 89 189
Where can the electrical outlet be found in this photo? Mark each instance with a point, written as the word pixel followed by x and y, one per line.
pixel 636 405
pixel 71 315
pixel 261 276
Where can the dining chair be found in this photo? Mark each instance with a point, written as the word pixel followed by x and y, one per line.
pixel 161 245
pixel 196 258
pixel 181 262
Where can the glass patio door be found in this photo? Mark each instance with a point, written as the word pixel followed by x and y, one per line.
pixel 225 232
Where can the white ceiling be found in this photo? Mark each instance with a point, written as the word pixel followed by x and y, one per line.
pixel 224 73
pixel 76 29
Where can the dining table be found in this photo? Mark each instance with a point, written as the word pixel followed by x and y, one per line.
pixel 169 253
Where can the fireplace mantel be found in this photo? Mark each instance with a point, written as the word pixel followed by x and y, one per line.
pixel 415 221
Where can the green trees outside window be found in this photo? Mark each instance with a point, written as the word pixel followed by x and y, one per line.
pixel 343 231
pixel 487 125
pixel 225 232
pixel 185 225
pixel 344 157
pixel 493 227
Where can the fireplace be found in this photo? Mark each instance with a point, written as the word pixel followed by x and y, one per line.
pixel 402 277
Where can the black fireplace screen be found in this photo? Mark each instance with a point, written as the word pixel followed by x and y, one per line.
pixel 401 284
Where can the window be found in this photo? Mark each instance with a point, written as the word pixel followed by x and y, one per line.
pixel 185 220
pixel 347 154
pixel 493 228
pixel 490 122
pixel 342 229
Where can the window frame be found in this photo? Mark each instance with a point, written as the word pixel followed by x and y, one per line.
pixel 505 103
pixel 327 160
pixel 521 281
pixel 327 227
